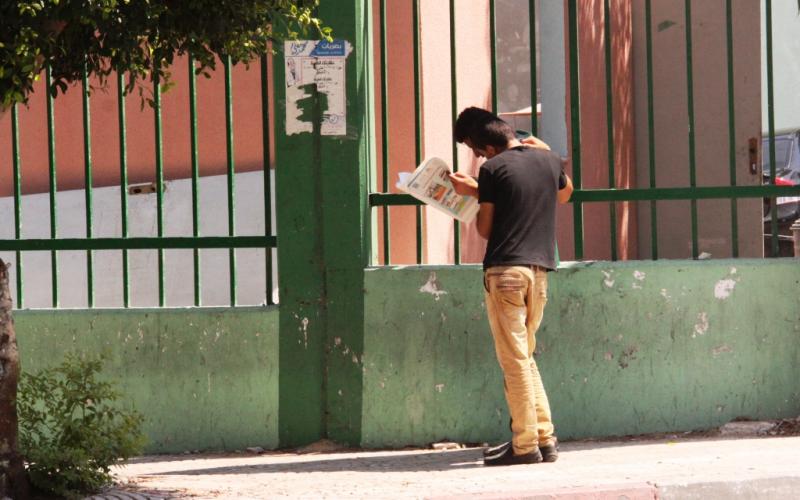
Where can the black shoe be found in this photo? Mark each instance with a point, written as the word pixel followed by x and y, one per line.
pixel 494 450
pixel 550 452
pixel 507 457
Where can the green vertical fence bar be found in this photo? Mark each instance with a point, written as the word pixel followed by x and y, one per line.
pixel 454 111
pixel 651 130
pixel 493 52
pixel 87 164
pixel 418 225
pixel 534 79
pixel 575 121
pixel 731 128
pixel 123 186
pixel 195 177
pixel 265 130
pixel 417 117
pixel 690 106
pixel 230 164
pixel 612 181
pixel 387 253
pixel 771 125
pixel 51 163
pixel 17 174
pixel 159 185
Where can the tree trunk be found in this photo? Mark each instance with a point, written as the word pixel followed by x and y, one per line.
pixel 13 482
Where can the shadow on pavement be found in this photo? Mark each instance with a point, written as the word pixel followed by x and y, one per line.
pixel 428 462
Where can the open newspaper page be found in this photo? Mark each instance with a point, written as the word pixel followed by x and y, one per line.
pixel 430 183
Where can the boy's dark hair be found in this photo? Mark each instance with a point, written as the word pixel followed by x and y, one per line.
pixel 482 128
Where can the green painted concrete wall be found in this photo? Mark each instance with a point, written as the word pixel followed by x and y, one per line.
pixel 624 348
pixel 203 378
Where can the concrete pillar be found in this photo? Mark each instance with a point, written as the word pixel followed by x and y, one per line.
pixel 323 246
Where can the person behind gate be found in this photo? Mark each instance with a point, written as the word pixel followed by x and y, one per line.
pixel 517 188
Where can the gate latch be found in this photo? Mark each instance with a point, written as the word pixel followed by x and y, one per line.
pixel 753 150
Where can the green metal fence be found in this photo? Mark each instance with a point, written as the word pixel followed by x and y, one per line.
pixel 90 244
pixel 653 194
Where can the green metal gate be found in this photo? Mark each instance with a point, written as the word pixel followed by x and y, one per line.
pixel 124 242
pixel 383 199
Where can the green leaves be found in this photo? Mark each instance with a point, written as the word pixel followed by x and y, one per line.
pixel 72 430
pixel 138 37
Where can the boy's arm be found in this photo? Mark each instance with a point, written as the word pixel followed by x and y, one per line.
pixel 483 222
pixel 468 186
pixel 565 192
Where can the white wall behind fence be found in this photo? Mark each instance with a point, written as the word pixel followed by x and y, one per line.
pixel 143 264
pixel 786 65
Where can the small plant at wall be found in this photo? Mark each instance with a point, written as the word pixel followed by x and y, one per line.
pixel 72 430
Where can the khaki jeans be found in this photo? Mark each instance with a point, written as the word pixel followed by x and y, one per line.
pixel 515 300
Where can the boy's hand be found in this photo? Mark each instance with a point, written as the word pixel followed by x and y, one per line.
pixel 464 184
pixel 534 142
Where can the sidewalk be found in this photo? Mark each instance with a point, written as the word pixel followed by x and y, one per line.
pixel 647 468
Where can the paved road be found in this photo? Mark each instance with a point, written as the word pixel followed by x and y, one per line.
pixel 656 468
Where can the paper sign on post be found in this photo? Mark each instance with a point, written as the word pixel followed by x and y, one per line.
pixel 322 63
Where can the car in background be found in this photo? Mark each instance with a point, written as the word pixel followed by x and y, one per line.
pixel 787 173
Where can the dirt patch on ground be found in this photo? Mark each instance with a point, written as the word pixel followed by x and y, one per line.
pixel 787 427
pixel 744 428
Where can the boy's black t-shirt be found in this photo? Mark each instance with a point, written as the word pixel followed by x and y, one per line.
pixel 522 183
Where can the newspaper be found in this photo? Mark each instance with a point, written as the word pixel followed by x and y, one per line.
pixel 430 183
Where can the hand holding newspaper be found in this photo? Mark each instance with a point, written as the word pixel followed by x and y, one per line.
pixel 430 183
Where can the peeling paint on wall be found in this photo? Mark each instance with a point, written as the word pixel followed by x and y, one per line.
pixel 433 287
pixel 701 327
pixel 608 281
pixel 304 329
pixel 721 349
pixel 639 277
pixel 724 288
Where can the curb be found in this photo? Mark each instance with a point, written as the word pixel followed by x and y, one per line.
pixel 777 488
pixel 628 491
